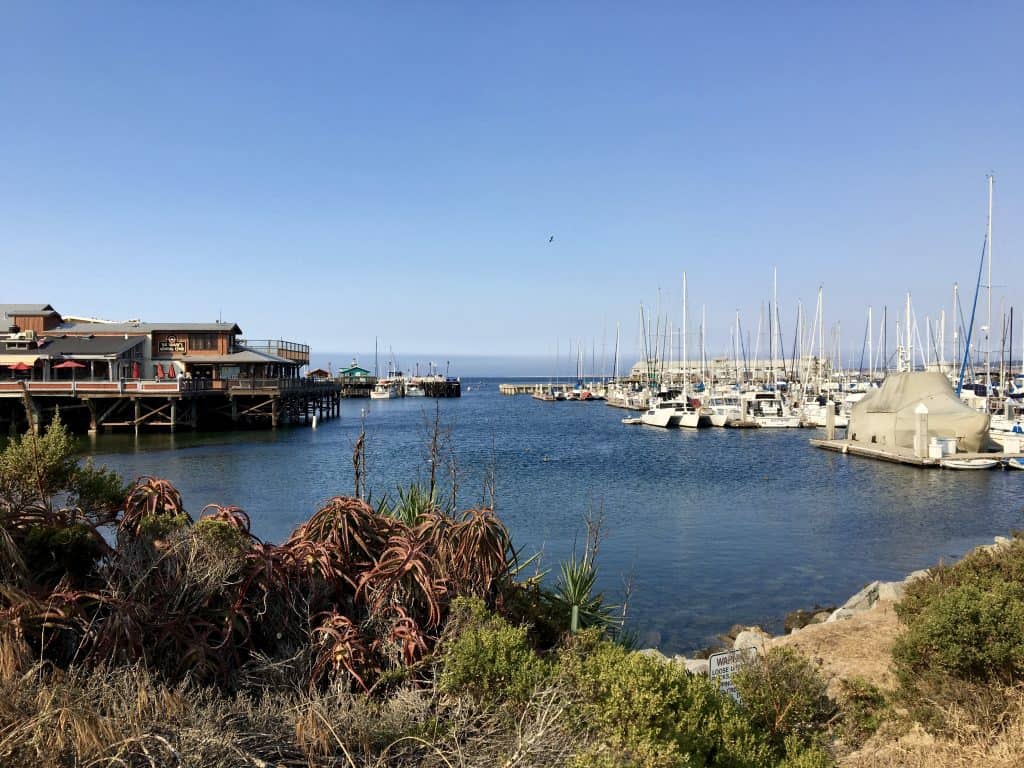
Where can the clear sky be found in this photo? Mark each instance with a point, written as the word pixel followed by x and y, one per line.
pixel 336 172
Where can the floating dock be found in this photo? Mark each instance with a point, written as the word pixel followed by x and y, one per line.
pixel 533 389
pixel 903 455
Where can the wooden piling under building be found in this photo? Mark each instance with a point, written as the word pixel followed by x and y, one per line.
pixel 138 405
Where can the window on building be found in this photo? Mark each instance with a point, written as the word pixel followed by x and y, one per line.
pixel 202 341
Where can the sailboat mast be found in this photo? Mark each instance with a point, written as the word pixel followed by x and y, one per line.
pixel 684 335
pixel 988 239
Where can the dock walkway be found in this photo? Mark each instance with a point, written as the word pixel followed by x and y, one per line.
pixel 902 455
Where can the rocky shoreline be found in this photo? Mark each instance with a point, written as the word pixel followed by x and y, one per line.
pixel 874 594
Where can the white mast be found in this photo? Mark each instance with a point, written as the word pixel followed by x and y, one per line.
pixel 684 335
pixel 871 359
pixel 988 333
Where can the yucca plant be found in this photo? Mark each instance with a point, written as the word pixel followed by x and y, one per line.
pixel 574 590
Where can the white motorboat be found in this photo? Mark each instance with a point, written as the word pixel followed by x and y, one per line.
pixel 1015 463
pixel 815 413
pixel 723 408
pixel 413 389
pixel 632 420
pixel 768 410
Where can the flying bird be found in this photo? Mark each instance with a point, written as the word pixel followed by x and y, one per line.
pixel 551 239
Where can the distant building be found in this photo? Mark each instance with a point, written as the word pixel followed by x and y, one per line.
pixel 40 339
pixel 354 372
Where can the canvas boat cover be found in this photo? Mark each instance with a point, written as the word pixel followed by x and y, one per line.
pixel 886 417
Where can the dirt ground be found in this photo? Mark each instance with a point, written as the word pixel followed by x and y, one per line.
pixel 860 646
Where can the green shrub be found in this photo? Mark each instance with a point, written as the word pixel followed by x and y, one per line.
pixel 980 568
pixel 964 638
pixel 864 707
pixel 487 658
pixel 52 552
pixel 784 695
pixel 154 528
pixel 649 713
pixel 970 631
pixel 220 539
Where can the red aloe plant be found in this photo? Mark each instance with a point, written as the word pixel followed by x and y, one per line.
pixel 407 572
pixel 340 646
pixel 149 497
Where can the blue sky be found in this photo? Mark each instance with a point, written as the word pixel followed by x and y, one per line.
pixel 335 172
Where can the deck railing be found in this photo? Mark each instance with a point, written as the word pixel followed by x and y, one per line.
pixel 289 350
pixel 162 386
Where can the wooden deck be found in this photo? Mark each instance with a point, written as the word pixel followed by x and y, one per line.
pixel 171 403
pixel 902 455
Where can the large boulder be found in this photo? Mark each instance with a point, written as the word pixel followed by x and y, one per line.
pixel 752 637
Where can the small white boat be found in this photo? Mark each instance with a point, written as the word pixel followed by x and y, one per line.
pixel 384 390
pixel 724 408
pixel 768 409
pixel 968 463
pixel 414 390
pixel 638 420
pixel 1015 463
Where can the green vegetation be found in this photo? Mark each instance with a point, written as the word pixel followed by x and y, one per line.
pixel 963 647
pixel 400 635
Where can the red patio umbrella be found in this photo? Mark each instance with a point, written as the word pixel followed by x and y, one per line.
pixel 159 371
pixel 171 371
pixel 135 369
pixel 20 366
pixel 72 364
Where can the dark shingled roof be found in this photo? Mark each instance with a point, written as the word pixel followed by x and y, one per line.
pixel 25 310
pixel 81 346
pixel 84 328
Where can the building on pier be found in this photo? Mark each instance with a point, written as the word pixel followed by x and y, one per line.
pixel 146 370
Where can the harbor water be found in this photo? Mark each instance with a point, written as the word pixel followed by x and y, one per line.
pixel 712 527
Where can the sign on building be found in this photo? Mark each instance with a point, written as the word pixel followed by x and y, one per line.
pixel 171 345
pixel 722 666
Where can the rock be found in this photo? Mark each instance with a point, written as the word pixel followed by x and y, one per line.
pixel 651 639
pixel 821 617
pixel 653 653
pixel 891 591
pixel 1001 542
pixel 734 632
pixel 755 637
pixel 864 599
pixel 921 574
pixel 839 614
pixel 697 666
pixel 799 619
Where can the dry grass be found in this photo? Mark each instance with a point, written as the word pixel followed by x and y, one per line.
pixel 126 717
pixel 997 744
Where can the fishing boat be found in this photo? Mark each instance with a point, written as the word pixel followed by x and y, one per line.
pixel 968 463
pixel 384 390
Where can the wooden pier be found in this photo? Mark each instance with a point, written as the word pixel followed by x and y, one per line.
pixel 902 455
pixel 533 389
pixel 168 404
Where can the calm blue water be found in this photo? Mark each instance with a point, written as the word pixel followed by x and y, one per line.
pixel 715 527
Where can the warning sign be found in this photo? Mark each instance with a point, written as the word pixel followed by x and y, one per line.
pixel 722 666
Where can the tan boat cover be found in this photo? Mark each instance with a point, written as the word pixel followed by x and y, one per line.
pixel 886 418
